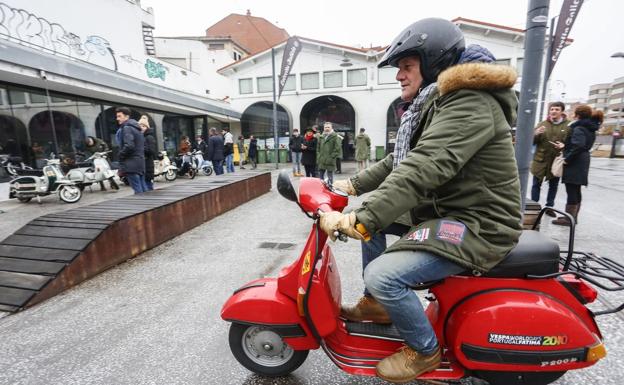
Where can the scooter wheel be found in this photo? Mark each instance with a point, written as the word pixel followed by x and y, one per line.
pixel 192 173
pixel 207 170
pixel 171 175
pixel 113 184
pixel 519 378
pixel 24 199
pixel 263 351
pixel 70 194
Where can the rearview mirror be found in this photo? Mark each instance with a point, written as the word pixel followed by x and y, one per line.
pixel 285 187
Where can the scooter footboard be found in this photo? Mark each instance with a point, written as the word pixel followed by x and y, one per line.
pixel 260 303
pixel 520 330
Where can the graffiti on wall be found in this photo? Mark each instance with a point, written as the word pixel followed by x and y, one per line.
pixel 38 32
pixel 155 69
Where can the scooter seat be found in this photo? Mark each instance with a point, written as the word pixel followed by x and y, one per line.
pixel 29 172
pixel 535 254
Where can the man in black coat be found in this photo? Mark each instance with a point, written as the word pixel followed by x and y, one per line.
pixel 215 150
pixel 131 155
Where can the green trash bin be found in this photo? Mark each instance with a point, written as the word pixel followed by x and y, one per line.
pixel 262 156
pixel 380 153
pixel 283 155
pixel 270 156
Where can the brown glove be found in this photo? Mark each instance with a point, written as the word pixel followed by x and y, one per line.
pixel 345 223
pixel 345 185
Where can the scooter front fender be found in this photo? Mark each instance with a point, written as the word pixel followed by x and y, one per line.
pixel 260 303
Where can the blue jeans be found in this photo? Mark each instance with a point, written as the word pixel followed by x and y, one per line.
pixel 229 163
pixel 148 184
pixel 296 159
pixel 218 166
pixel 330 175
pixel 553 185
pixel 390 279
pixel 377 245
pixel 136 182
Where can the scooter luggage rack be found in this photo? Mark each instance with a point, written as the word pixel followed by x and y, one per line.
pixel 602 272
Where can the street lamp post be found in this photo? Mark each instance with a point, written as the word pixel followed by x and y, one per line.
pixel 617 118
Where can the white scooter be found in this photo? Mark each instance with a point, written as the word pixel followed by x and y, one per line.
pixel 164 167
pixel 49 181
pixel 97 173
pixel 199 163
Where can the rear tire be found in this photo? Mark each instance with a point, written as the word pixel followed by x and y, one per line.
pixel 207 170
pixel 24 199
pixel 519 378
pixel 113 184
pixel 70 194
pixel 261 350
pixel 171 175
pixel 192 173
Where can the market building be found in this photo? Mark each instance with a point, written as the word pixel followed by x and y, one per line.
pixel 62 76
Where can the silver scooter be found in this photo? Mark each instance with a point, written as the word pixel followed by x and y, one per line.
pixel 198 163
pixel 98 172
pixel 50 181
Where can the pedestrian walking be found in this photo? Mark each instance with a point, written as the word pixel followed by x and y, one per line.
pixel 228 150
pixel 329 151
pixel 132 152
pixel 308 157
pixel 150 153
pixel 553 129
pixel 215 150
pixel 241 151
pixel 295 149
pixel 576 158
pixel 252 154
pixel 362 149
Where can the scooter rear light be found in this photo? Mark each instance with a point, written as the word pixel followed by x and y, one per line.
pixel 596 352
pixel 300 302
pixel 585 292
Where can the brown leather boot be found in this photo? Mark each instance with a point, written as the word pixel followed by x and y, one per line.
pixel 367 309
pixel 563 221
pixel 407 364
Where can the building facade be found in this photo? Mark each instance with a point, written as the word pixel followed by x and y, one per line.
pixel 62 76
pixel 609 97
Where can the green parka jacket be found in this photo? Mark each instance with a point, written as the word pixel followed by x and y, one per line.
pixel 545 152
pixel 460 180
pixel 362 147
pixel 329 148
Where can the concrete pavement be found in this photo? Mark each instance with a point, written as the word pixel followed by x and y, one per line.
pixel 155 319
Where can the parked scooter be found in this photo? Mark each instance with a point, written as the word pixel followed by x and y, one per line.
pixel 50 181
pixel 97 171
pixel 13 165
pixel 185 165
pixel 163 166
pixel 198 162
pixel 523 322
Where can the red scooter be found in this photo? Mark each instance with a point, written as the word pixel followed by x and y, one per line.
pixel 524 322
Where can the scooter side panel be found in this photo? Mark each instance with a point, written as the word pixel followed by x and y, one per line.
pixel 260 303
pixel 325 295
pixel 517 330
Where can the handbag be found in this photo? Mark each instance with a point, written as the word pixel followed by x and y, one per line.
pixel 557 167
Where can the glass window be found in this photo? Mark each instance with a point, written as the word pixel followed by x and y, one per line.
pixel 332 79
pixel 616 91
pixel 387 75
pixel 505 62
pixel 310 81
pixel 245 86
pixel 17 97
pixel 356 77
pixel 36 97
pixel 602 91
pixel 291 83
pixel 265 84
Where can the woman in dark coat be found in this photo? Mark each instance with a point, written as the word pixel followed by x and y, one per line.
pixel 252 154
pixel 308 158
pixel 576 157
pixel 150 152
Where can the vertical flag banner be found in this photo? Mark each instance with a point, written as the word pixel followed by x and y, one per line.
pixel 567 16
pixel 293 46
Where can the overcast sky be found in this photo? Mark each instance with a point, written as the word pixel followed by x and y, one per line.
pixel 597 32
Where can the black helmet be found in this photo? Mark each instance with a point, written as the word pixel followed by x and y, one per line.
pixel 437 42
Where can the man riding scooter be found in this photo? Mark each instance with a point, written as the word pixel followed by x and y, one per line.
pixel 453 168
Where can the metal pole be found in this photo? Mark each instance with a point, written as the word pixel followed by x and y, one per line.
pixel 274 111
pixel 547 66
pixel 537 17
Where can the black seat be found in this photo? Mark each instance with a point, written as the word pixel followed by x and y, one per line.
pixel 535 254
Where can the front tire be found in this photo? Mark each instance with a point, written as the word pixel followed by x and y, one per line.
pixel 70 194
pixel 263 351
pixel 207 170
pixel 192 173
pixel 113 184
pixel 171 175
pixel 24 199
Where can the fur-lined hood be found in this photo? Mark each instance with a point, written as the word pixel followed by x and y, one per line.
pixel 476 76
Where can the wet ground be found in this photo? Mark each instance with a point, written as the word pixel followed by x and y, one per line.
pixel 155 319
